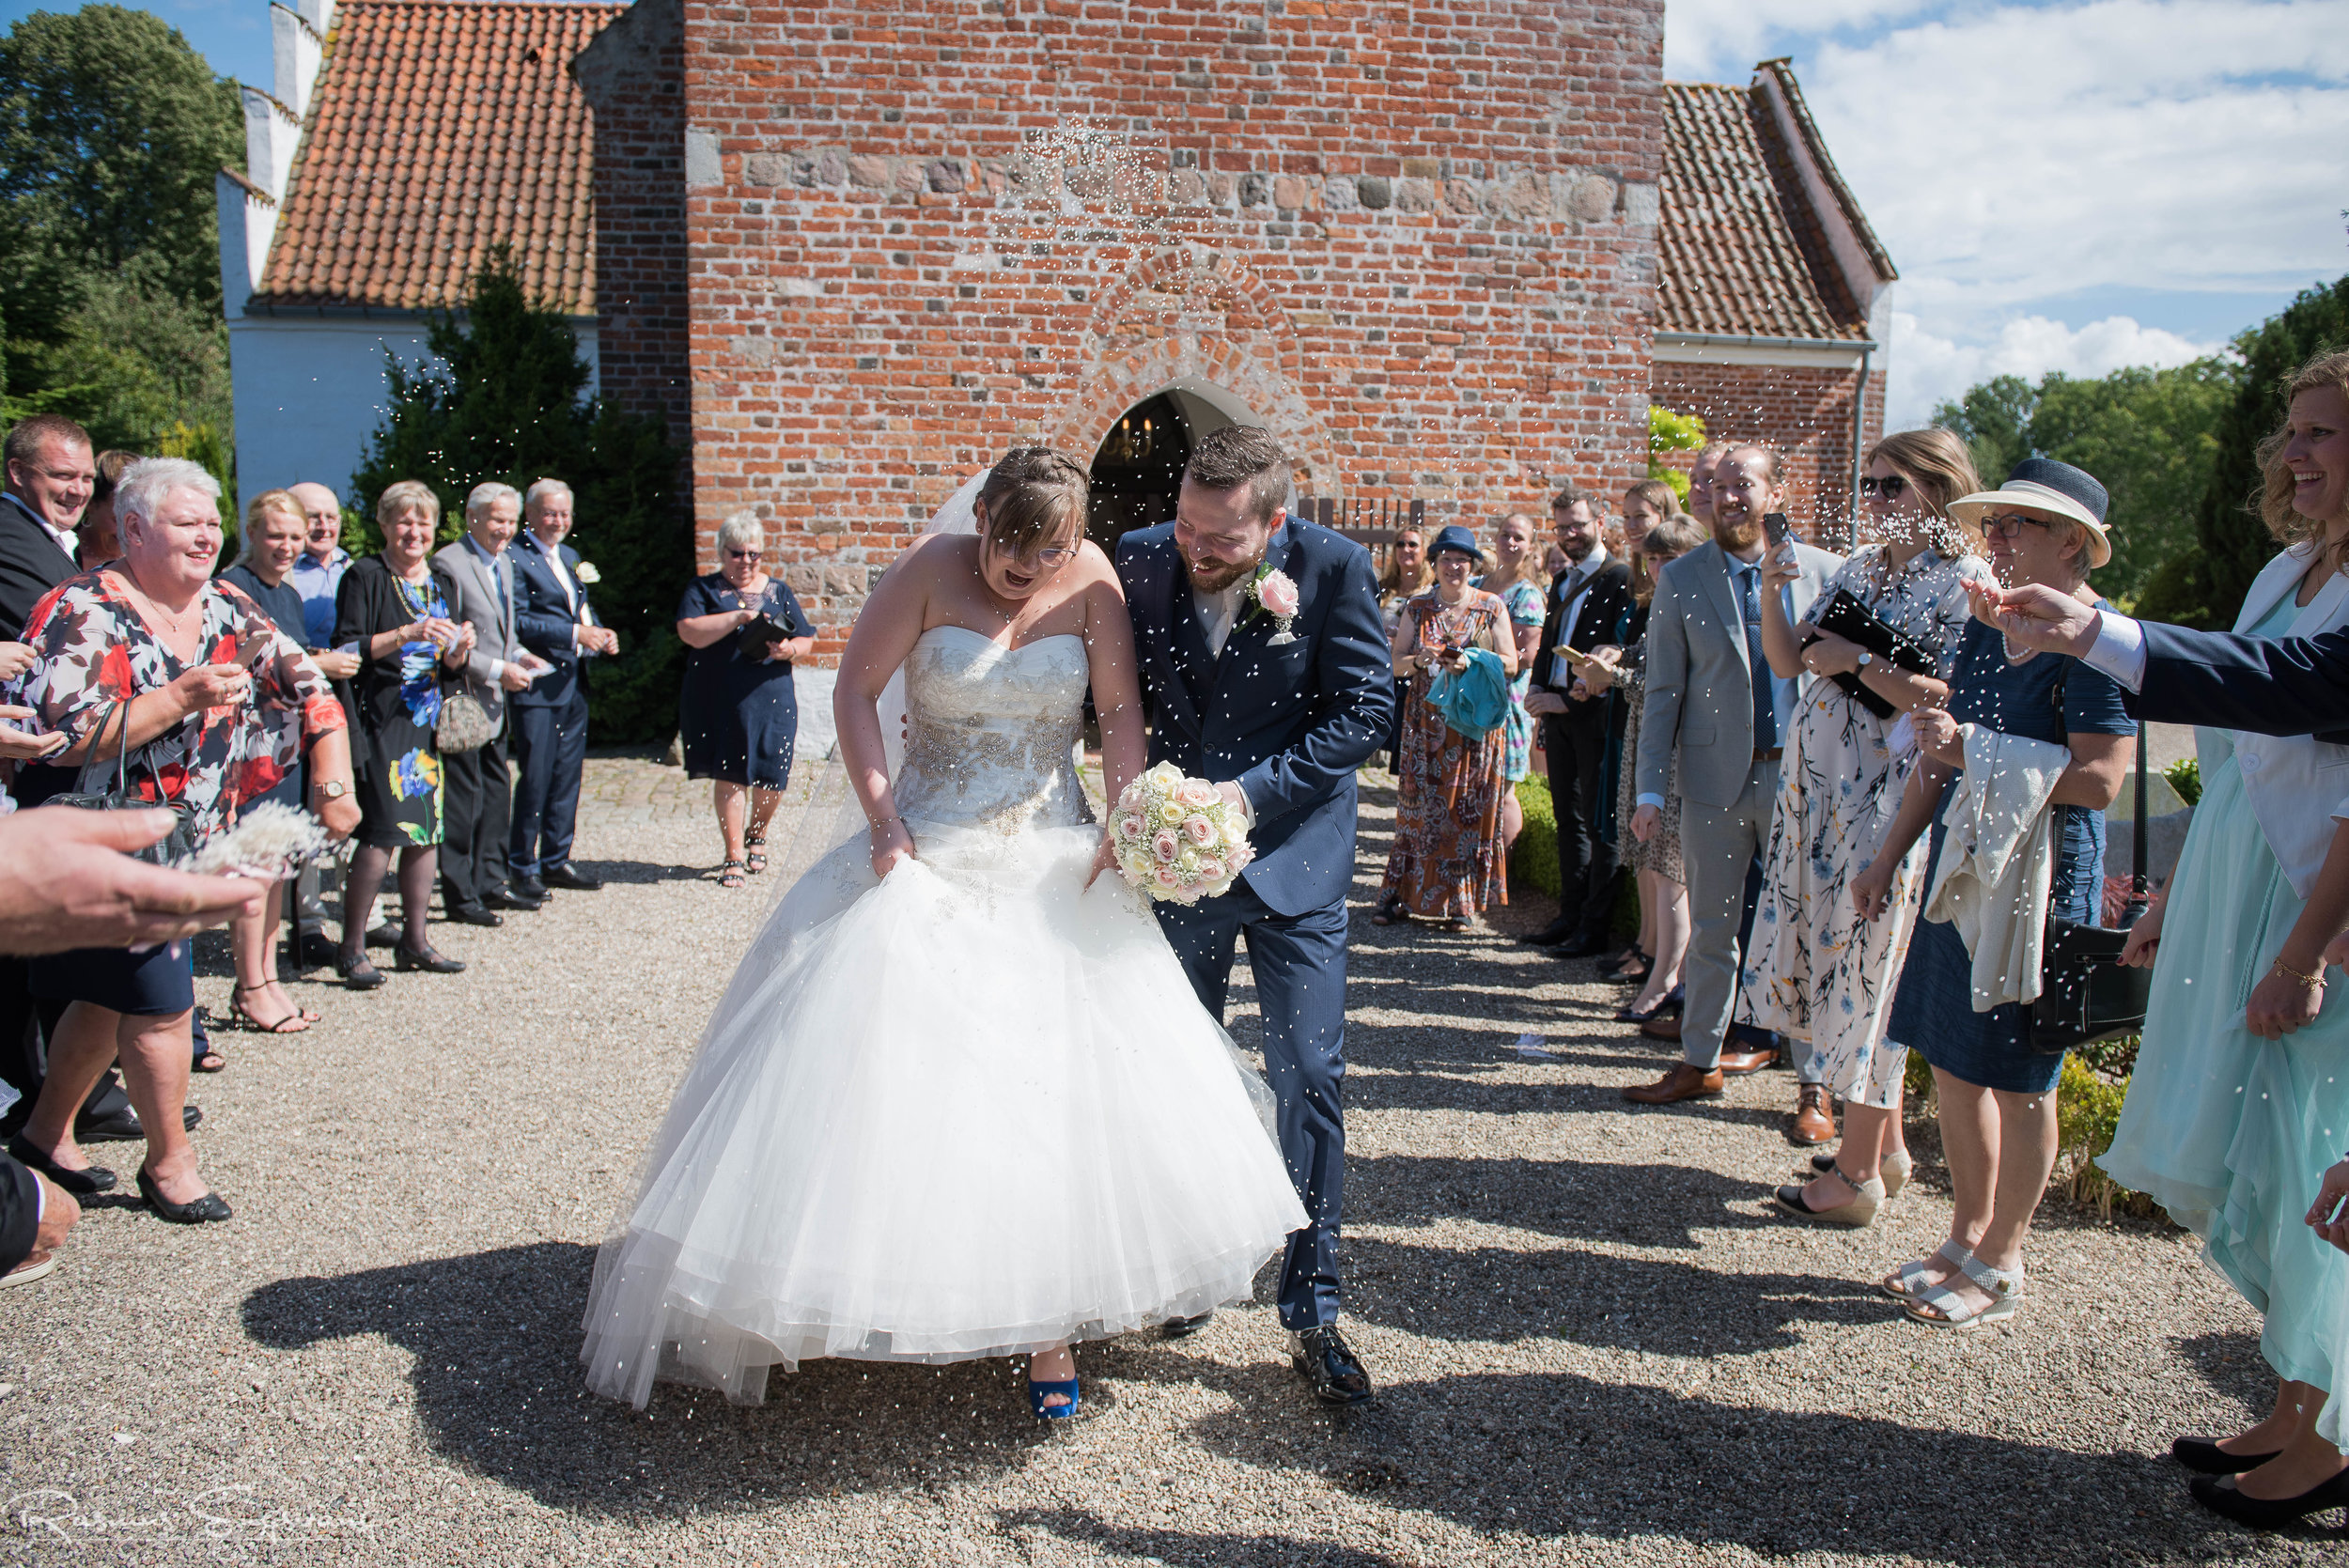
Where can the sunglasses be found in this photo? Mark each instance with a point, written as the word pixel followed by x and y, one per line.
pixel 2010 525
pixel 744 554
pixel 1890 488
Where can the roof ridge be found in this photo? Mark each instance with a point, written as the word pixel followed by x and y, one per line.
pixel 1782 69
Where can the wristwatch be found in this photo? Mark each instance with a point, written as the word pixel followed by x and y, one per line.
pixel 1865 657
pixel 334 789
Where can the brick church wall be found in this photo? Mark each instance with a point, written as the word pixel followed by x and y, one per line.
pixel 1803 411
pixel 1418 245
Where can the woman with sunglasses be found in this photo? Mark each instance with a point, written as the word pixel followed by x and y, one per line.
pixel 737 713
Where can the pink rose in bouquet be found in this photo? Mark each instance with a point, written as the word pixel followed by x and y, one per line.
pixel 1200 828
pixel 1165 845
pixel 1195 792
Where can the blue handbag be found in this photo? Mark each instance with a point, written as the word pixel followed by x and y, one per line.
pixel 1473 701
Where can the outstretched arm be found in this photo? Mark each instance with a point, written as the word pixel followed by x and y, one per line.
pixel 1357 676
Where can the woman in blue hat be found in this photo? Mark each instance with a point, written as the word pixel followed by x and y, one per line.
pixel 1447 862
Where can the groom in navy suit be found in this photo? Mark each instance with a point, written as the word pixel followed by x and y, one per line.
pixel 1276 700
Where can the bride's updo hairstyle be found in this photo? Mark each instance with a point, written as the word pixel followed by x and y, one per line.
pixel 1031 497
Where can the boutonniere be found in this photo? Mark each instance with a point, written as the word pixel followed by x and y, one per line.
pixel 587 572
pixel 1274 595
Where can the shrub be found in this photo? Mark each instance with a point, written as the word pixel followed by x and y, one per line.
pixel 2088 1111
pixel 2185 777
pixel 1533 859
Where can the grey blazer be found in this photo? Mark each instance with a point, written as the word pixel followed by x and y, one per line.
pixel 474 597
pixel 1700 687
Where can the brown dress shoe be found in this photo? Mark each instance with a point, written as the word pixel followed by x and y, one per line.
pixel 1661 1028
pixel 1683 1083
pixel 1815 1115
pixel 1737 1063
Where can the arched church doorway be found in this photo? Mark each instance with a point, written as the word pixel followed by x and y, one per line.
pixel 1138 470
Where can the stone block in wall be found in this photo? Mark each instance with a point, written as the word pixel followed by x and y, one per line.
pixel 1592 199
pixel 1255 190
pixel 1342 194
pixel 1189 189
pixel 946 176
pixel 1414 194
pixel 871 172
pixel 1290 193
pixel 1375 192
pixel 765 169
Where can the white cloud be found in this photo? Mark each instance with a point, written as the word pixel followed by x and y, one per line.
pixel 1929 369
pixel 1716 39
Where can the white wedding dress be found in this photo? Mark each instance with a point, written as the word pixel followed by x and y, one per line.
pixel 967 1111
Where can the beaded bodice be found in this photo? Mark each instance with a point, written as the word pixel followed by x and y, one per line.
pixel 991 731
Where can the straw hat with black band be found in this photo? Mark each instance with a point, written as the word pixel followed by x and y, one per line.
pixel 2043 485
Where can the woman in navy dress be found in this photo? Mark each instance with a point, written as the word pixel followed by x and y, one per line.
pixel 737 713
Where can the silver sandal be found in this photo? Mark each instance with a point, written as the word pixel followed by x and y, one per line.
pixel 1947 1309
pixel 1906 1284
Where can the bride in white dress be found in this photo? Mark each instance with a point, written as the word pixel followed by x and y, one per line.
pixel 959 1099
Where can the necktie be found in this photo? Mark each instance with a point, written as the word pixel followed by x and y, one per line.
pixel 1764 707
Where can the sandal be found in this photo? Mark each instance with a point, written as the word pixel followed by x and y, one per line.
pixel 732 874
pixel 1943 1308
pixel 1909 1282
pixel 755 855
pixel 1896 1168
pixel 241 1016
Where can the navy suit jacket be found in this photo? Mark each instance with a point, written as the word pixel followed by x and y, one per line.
pixel 1290 723
pixel 2270 686
pixel 30 565
pixel 545 619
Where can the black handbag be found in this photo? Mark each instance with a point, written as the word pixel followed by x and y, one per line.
pixel 173 846
pixel 2084 993
pixel 1848 617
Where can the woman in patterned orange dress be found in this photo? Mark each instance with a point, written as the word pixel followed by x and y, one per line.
pixel 1447 862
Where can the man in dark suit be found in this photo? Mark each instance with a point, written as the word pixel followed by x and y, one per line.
pixel 1278 710
pixel 551 719
pixel 1586 603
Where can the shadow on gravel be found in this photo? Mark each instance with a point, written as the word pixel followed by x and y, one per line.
pixel 2231 1364
pixel 496 1381
pixel 1555 1454
pixel 1189 1551
pixel 645 873
pixel 1647 1205
pixel 1483 1294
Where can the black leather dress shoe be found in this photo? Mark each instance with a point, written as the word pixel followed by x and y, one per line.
pixel 504 898
pixel 81 1183
pixel 528 887
pixel 124 1126
pixel 1582 947
pixel 1183 1327
pixel 565 877
pixel 385 935
pixel 314 950
pixel 1329 1367
pixel 474 914
pixel 1551 935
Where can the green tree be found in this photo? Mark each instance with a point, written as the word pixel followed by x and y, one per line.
pixel 505 402
pixel 1994 420
pixel 2233 542
pixel 1668 431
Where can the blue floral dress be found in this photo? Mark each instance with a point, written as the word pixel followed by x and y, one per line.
pixel 395 701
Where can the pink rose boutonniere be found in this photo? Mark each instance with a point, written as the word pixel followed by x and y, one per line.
pixel 1275 596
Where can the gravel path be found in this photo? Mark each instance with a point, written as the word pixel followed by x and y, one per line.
pixel 1595 1344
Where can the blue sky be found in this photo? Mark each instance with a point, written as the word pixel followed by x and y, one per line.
pixel 2064 186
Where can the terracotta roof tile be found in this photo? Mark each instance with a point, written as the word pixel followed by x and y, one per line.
pixel 1739 250
pixel 438 129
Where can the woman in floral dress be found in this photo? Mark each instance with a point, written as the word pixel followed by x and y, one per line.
pixel 1819 971
pixel 389 607
pixel 1514 580
pixel 1446 862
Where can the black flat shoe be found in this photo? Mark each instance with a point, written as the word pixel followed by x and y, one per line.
pixel 502 899
pixel 205 1210
pixel 2219 1495
pixel 1329 1367
pixel 430 962
pixel 2198 1453
pixel 124 1126
pixel 579 882
pixel 82 1184
pixel 1183 1327
pixel 476 914
pixel 358 974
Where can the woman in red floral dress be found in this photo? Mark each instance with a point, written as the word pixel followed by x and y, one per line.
pixel 216 705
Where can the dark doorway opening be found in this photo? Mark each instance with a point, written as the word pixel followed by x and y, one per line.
pixel 1138 471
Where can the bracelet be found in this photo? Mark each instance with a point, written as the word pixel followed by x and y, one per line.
pixel 2308 982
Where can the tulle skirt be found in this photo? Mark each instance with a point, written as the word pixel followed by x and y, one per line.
pixel 969 1110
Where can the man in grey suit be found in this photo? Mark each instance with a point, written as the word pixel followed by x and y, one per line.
pixel 479 582
pixel 1711 694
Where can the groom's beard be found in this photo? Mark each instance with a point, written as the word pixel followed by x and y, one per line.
pixel 1212 576
pixel 1737 535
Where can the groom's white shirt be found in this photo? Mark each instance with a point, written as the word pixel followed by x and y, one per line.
pixel 1219 613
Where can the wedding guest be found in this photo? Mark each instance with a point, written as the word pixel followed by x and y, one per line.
pixel 316 575
pixel 1714 702
pixel 1997 1092
pixel 476 578
pixel 391 606
pixel 1585 603
pixel 2233 1109
pixel 35 1215
pixel 1446 862
pixel 1819 972
pixel 1514 582
pixel 245 706
pixel 50 475
pixel 550 720
pixel 1644 505
pixel 274 533
pixel 97 541
pixel 738 714
pixel 1406 574
pixel 1655 963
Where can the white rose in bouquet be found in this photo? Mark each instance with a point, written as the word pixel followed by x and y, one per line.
pixel 1176 837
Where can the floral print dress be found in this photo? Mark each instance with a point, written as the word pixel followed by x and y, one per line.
pixel 1525 602
pixel 396 701
pixel 1446 862
pixel 1818 972
pixel 96 650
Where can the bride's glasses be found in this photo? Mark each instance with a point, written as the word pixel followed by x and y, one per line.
pixel 1051 560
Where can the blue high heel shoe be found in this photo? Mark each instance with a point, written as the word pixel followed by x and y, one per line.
pixel 1039 1393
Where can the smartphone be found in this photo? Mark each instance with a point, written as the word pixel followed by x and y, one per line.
pixel 1775 529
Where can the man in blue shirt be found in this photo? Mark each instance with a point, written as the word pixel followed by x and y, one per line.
pixel 318 573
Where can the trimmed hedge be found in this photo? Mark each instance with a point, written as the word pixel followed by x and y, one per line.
pixel 1534 857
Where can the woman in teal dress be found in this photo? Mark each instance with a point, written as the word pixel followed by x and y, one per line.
pixel 2239 1100
pixel 1514 580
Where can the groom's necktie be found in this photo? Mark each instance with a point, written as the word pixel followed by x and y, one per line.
pixel 1764 684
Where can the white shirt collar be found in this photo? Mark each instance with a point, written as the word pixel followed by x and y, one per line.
pixel 1596 559
pixel 66 541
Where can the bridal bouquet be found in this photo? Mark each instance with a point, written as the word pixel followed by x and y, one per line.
pixel 1176 837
